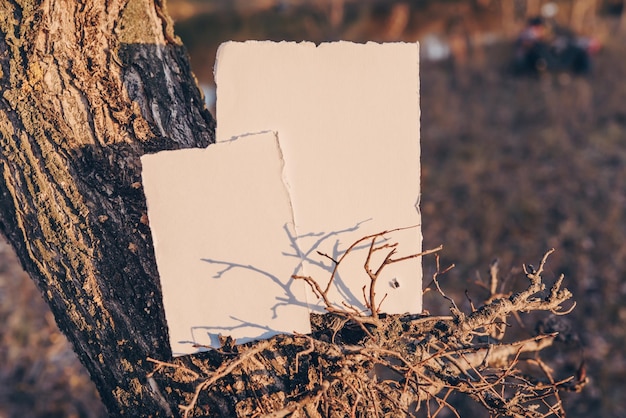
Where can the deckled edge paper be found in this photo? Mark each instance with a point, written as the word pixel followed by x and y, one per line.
pixel 221 221
pixel 348 121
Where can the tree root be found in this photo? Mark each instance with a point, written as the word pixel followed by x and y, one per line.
pixel 383 365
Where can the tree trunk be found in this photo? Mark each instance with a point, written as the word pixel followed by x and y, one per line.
pixel 87 87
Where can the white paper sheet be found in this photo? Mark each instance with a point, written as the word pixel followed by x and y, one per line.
pixel 348 122
pixel 221 220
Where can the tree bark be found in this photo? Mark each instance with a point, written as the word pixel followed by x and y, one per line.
pixel 87 87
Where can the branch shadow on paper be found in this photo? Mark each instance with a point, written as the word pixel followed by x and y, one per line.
pixel 303 249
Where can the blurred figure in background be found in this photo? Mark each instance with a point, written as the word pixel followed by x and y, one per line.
pixel 544 46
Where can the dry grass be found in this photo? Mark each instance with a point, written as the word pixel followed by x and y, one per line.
pixel 512 167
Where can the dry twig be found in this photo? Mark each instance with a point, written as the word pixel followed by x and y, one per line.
pixel 390 365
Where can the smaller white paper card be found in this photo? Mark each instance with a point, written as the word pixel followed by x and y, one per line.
pixel 222 223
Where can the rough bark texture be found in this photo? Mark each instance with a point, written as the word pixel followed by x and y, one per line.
pixel 86 88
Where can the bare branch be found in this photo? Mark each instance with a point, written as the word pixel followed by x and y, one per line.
pixel 369 365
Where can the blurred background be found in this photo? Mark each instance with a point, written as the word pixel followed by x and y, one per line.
pixel 523 149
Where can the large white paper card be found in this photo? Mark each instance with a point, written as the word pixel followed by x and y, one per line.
pixel 221 221
pixel 347 116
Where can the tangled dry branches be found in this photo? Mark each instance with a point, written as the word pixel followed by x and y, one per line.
pixel 380 365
